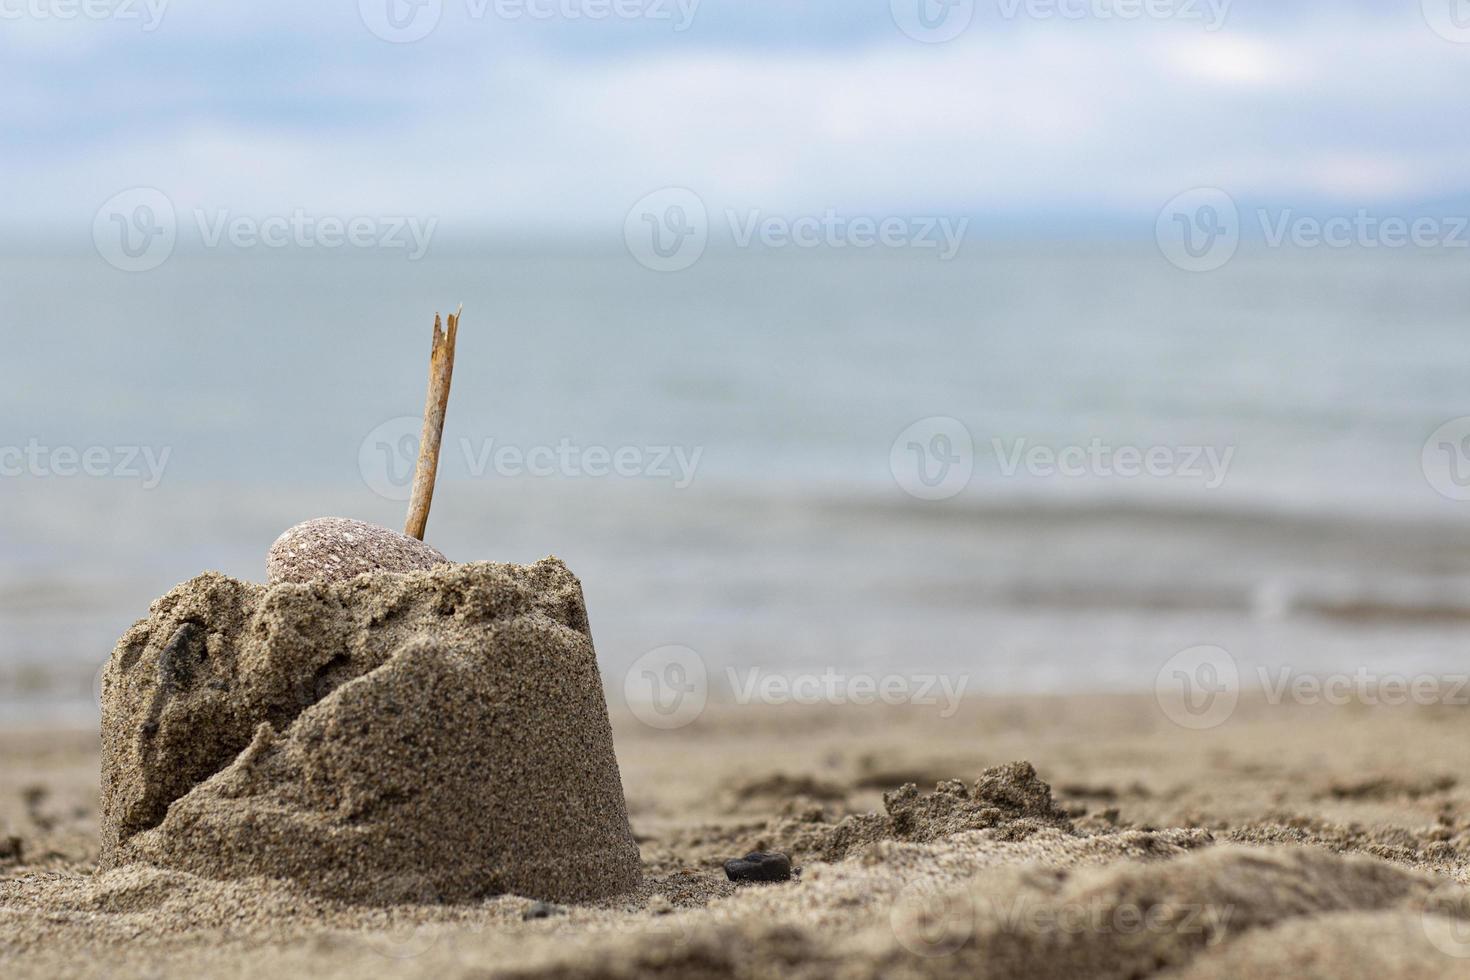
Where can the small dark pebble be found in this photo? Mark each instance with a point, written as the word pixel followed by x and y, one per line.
pixel 542 910
pixel 759 866
pixel 11 848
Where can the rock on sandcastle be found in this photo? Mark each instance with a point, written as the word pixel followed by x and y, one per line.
pixel 376 723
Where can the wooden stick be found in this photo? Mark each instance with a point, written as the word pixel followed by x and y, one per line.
pixel 441 374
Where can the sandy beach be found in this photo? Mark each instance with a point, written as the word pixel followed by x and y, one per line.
pixel 923 489
pixel 1309 841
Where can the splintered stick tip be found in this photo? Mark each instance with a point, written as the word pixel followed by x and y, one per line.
pixel 441 375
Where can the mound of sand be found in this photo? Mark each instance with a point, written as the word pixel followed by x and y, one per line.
pixel 432 736
pixel 1010 799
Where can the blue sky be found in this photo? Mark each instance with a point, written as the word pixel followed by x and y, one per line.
pixel 513 123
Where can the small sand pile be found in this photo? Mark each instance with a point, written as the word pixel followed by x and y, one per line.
pixel 433 736
pixel 1009 798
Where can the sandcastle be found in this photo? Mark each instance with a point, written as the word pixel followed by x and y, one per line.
pixel 376 724
pixel 437 735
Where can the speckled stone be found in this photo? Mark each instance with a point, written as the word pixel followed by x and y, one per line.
pixel 336 549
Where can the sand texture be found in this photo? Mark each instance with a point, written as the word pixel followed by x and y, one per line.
pixel 1294 841
pixel 434 736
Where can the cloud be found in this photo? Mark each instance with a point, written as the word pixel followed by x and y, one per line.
pixel 551 126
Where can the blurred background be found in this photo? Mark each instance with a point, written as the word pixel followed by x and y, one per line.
pixel 1028 341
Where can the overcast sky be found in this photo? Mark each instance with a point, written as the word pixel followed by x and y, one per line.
pixel 501 120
